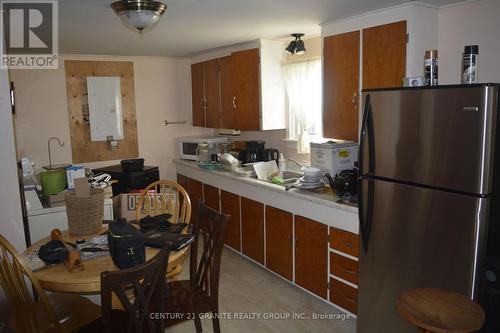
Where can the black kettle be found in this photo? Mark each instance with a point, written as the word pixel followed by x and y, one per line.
pixel 345 182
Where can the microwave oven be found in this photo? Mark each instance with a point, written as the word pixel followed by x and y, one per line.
pixel 334 156
pixel 187 146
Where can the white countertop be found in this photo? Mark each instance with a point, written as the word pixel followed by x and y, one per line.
pixel 326 198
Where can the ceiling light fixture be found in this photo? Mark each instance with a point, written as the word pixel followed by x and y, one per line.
pixel 139 15
pixel 297 45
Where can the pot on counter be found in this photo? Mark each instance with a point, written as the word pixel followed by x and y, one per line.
pixel 345 183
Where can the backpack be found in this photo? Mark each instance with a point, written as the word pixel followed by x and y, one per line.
pixel 126 244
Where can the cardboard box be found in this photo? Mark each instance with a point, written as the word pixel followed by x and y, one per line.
pixel 125 204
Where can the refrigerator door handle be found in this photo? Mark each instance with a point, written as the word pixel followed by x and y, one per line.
pixel 365 222
pixel 366 133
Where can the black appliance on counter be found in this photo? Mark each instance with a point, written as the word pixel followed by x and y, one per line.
pixel 255 151
pixel 132 180
pixel 272 154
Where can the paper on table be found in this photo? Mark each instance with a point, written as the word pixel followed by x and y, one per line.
pixel 264 169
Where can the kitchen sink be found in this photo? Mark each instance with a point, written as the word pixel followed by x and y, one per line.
pixel 290 177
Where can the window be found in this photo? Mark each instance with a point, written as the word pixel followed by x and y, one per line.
pixel 303 91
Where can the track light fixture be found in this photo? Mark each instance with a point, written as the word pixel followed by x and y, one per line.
pixel 297 45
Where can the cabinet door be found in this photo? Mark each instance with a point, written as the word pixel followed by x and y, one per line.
pixel 228 108
pixel 340 86
pixel 384 55
pixel 230 204
pixel 195 194
pixel 198 93
pixel 183 181
pixel 245 77
pixel 252 229
pixel 211 196
pixel 279 242
pixel 311 255
pixel 212 96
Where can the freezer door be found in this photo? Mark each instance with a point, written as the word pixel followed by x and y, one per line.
pixel 418 238
pixel 439 137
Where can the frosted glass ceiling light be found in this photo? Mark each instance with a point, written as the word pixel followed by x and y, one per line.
pixel 139 15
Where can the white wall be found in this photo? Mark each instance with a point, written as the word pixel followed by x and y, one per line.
pixel 466 24
pixel 162 92
pixel 11 222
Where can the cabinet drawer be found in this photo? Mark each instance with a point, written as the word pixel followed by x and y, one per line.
pixel 343 295
pixel 344 268
pixel 344 241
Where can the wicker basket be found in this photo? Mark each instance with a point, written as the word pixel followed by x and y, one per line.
pixel 85 215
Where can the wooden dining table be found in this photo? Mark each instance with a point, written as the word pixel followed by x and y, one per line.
pixel 88 281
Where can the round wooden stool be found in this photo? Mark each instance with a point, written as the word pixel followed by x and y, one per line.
pixel 435 310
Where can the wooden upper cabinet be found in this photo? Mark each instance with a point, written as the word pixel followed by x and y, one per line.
pixel 211 196
pixel 212 96
pixel 341 86
pixel 252 229
pixel 384 55
pixel 230 204
pixel 198 94
pixel 227 96
pixel 311 255
pixel 245 80
pixel 279 241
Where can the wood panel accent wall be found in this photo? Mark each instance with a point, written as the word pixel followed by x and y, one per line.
pixel 83 149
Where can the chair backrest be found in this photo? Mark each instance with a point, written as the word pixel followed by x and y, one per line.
pixel 145 282
pixel 164 197
pixel 14 274
pixel 210 227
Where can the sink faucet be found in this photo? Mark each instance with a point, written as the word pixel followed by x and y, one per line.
pixel 61 144
pixel 296 162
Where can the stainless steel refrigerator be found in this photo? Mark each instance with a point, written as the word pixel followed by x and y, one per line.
pixel 426 175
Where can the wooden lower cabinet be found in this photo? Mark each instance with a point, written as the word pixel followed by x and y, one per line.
pixel 311 255
pixel 252 229
pixel 230 204
pixel 211 196
pixel 279 242
pixel 343 295
pixel 344 241
pixel 183 181
pixel 344 268
pixel 195 194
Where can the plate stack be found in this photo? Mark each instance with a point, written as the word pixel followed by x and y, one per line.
pixel 311 179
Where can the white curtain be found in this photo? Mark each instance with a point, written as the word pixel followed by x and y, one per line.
pixel 303 88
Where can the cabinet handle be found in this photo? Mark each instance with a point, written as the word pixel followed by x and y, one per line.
pixel 348 244
pixel 350 299
pixel 234 102
pixel 290 240
pixel 349 271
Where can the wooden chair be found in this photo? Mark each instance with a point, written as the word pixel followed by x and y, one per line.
pixel 57 312
pixel 200 294
pixel 436 310
pixel 168 198
pixel 145 283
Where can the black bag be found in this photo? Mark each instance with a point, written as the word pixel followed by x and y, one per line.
pixel 126 244
pixel 53 252
pixel 160 223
